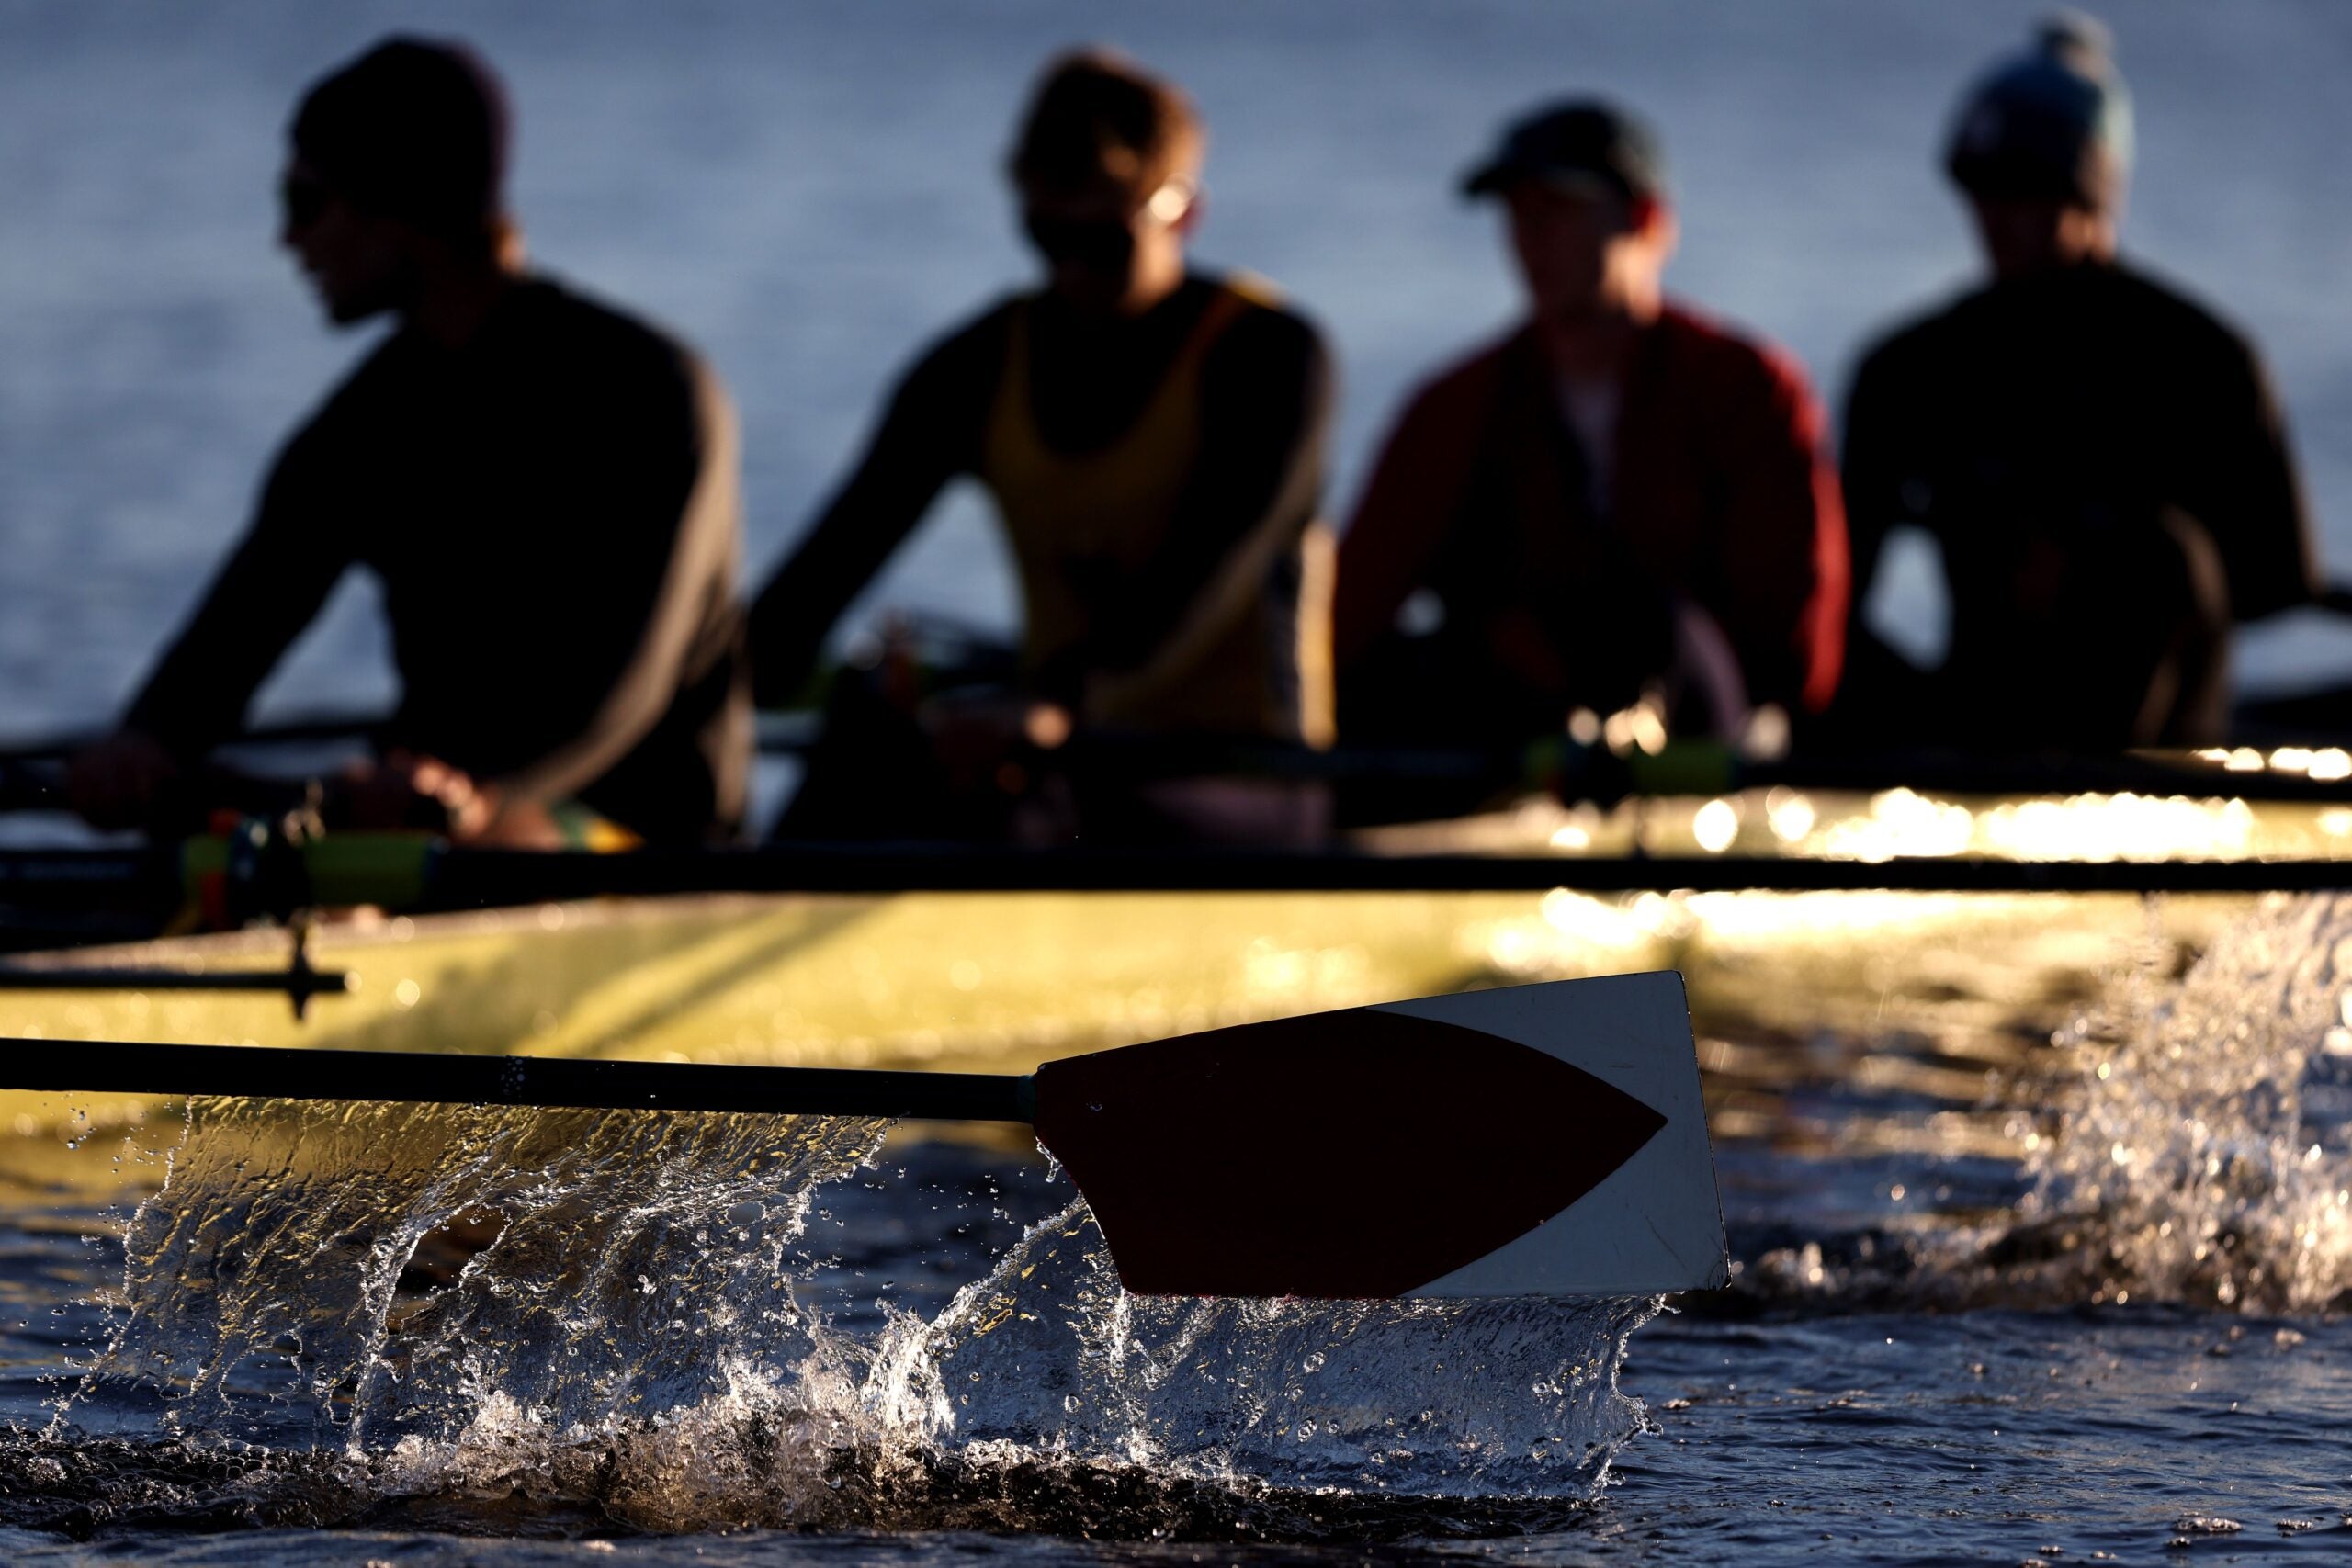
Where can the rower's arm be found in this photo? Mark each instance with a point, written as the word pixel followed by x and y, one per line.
pixel 930 434
pixel 671 530
pixel 1266 391
pixel 1786 569
pixel 1413 500
pixel 2244 487
pixel 268 590
pixel 1871 477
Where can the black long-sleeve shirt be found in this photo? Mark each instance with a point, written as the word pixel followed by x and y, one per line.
pixel 2061 405
pixel 553 514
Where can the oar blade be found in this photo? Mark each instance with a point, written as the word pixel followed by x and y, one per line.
pixel 1539 1140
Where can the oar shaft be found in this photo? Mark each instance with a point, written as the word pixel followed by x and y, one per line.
pixel 295 982
pixel 779 733
pixel 129 1067
pixel 483 878
pixel 68 880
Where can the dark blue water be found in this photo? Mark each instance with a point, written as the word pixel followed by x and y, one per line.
pixel 2035 1262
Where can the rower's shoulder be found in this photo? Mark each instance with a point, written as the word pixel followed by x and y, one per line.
pixel 962 364
pixel 1462 388
pixel 370 391
pixel 1924 348
pixel 1258 303
pixel 584 331
pixel 2120 301
pixel 1708 352
pixel 1263 328
pixel 2173 314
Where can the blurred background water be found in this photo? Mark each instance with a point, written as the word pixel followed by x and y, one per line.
pixel 811 193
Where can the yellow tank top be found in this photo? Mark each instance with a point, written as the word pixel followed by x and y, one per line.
pixel 1080 523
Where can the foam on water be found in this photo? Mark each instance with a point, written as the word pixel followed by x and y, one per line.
pixel 2189 1146
pixel 328 1311
pixel 2206 1153
pixel 628 1258
pixel 1488 1399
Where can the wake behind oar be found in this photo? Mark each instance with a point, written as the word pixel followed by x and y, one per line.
pixel 1535 1140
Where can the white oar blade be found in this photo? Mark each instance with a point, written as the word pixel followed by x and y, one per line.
pixel 1546 1140
pixel 1656 1223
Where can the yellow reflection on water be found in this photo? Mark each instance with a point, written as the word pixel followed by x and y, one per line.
pixel 1903 823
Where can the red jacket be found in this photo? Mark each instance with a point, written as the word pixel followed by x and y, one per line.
pixel 1722 494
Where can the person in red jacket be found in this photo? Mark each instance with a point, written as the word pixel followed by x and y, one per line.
pixel 1619 499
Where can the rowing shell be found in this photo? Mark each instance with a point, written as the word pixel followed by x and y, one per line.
pixel 999 982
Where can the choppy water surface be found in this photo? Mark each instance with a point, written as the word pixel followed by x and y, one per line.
pixel 2034 1260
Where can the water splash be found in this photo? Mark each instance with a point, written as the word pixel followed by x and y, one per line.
pixel 2205 1154
pixel 1467 1399
pixel 328 1313
pixel 2190 1142
pixel 264 1283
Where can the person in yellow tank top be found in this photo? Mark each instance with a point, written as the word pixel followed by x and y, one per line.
pixel 1153 439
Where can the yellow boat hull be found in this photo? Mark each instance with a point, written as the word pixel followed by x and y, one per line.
pixel 999 982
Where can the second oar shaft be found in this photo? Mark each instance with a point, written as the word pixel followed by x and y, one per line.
pixel 65 977
pixel 123 1067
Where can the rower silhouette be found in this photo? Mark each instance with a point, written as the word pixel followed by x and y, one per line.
pixel 1153 438
pixel 2100 463
pixel 545 487
pixel 1620 501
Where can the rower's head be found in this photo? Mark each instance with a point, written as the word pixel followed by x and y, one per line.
pixel 1584 185
pixel 395 167
pixel 1108 171
pixel 2042 147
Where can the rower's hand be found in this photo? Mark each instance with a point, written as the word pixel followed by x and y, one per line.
pixel 116 783
pixel 974 733
pixel 404 790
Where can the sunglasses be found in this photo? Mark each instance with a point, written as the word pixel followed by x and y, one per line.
pixel 1107 243
pixel 306 200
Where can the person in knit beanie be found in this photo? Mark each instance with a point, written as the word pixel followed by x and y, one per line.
pixel 2053 122
pixel 2098 460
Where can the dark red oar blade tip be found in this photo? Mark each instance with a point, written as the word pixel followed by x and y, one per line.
pixel 1358 1154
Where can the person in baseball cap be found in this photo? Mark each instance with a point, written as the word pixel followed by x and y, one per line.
pixel 1586 141
pixel 2098 460
pixel 1621 501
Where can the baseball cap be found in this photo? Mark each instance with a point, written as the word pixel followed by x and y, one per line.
pixel 1581 140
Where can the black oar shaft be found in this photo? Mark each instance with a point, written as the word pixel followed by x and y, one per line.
pixel 479 878
pixel 282 982
pixel 128 1068
pixel 67 880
